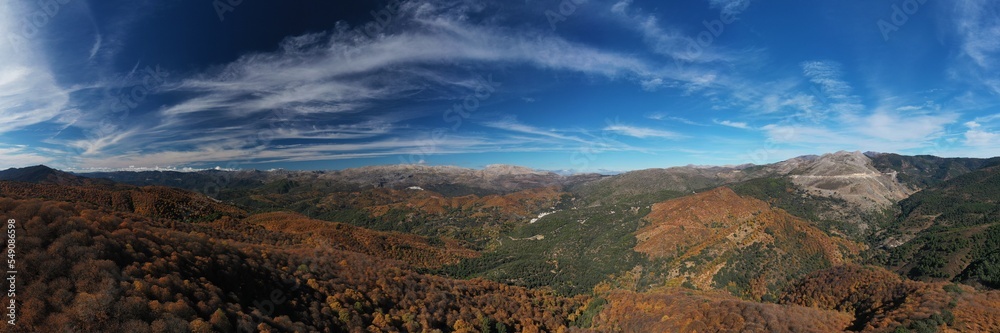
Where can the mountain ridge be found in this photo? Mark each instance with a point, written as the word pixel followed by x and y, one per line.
pixel 521 249
pixel 45 175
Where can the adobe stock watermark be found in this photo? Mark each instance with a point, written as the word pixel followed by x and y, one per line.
pixel 126 99
pixel 268 306
pixel 587 154
pixel 566 8
pixel 33 23
pixel 899 16
pixel 259 141
pixel 784 134
pixel 225 6
pixel 484 88
pixel 713 30
pixel 130 97
pixel 382 20
pixel 762 155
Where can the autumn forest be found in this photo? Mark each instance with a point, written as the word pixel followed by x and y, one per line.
pixel 428 249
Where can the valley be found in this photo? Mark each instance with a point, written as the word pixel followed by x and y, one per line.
pixel 848 241
pixel 490 166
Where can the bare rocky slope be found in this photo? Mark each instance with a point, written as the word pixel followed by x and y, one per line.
pixel 850 176
pixel 677 249
pixel 869 182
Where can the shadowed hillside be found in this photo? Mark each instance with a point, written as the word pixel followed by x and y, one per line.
pixel 881 301
pixel 150 201
pixel 415 250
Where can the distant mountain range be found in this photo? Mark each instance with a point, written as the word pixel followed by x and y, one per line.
pixel 845 241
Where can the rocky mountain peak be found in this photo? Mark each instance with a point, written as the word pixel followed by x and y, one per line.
pixel 838 164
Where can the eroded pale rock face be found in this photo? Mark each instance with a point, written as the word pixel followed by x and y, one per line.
pixel 849 176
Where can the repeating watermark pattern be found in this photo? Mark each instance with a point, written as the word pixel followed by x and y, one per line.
pixel 258 141
pixel 382 19
pixel 785 134
pixel 33 23
pixel 587 154
pixel 899 16
pixel 267 306
pixel 788 133
pixel 130 97
pixel 762 155
pixel 225 6
pixel 713 30
pixel 484 88
pixel 124 100
pixel 564 9
pixel 280 295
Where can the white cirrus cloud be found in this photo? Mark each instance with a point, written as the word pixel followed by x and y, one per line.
pixel 828 76
pixel 734 124
pixel 665 116
pixel 29 92
pixel 898 127
pixel 621 7
pixel 512 125
pixel 340 76
pixel 642 132
pixel 333 71
pixel 977 23
pixel 879 131
pixel 730 5
pixel 20 156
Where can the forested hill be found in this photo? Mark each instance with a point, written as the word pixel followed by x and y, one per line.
pixel 88 268
pixel 950 231
pixel 779 247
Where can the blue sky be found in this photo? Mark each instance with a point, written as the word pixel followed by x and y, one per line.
pixel 559 85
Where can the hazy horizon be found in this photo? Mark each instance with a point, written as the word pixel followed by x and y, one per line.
pixel 481 167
